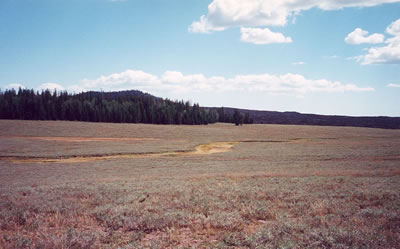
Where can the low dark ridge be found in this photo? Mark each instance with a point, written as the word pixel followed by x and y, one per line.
pixel 295 118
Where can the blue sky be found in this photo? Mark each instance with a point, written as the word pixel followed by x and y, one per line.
pixel 310 56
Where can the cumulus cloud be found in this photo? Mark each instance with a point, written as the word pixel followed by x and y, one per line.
pixel 120 81
pixel 177 82
pixel 262 36
pixel 51 86
pixel 389 54
pixel 15 86
pixel 223 14
pixel 394 28
pixel 203 26
pixel 359 36
pixel 393 85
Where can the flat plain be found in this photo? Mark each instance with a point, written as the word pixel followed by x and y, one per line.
pixel 101 185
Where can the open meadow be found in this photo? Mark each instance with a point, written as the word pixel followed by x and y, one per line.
pixel 102 185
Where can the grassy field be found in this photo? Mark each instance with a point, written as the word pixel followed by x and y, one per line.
pixel 97 185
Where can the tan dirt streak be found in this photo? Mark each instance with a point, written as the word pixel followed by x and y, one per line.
pixel 204 149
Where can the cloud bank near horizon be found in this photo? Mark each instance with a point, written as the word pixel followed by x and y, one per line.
pixel 178 83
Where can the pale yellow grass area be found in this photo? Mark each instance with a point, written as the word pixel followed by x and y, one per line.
pixel 212 148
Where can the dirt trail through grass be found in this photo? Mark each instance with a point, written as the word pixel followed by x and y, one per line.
pixel 200 150
pixel 204 149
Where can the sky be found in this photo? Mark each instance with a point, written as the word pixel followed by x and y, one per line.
pixel 312 56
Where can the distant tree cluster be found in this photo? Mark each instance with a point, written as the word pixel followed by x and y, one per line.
pixel 236 117
pixel 116 107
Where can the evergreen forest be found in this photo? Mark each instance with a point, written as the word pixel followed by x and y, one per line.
pixel 117 107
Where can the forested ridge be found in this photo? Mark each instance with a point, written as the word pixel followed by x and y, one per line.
pixel 117 107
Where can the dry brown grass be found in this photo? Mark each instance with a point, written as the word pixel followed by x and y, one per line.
pixel 81 139
pixel 281 187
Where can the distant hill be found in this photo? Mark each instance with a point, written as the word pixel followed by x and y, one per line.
pixel 295 118
pixel 134 106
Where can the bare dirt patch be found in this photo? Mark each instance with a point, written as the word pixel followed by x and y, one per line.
pixel 211 148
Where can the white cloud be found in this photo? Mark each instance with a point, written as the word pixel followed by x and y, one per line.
pixel 15 86
pixel 262 36
pixel 298 63
pixel 393 85
pixel 51 86
pixel 223 14
pixel 389 54
pixel 394 28
pixel 120 81
pixel 177 82
pixel 359 36
pixel 203 26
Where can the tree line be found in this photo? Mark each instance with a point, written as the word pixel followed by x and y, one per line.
pixel 115 107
